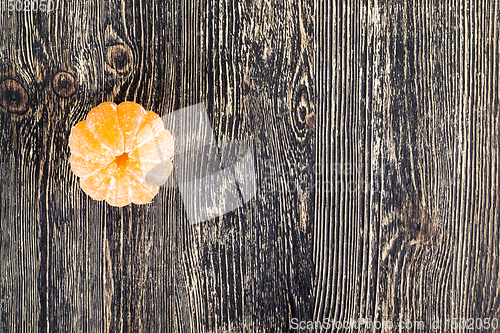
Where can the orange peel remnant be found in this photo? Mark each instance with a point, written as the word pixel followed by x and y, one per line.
pixel 114 149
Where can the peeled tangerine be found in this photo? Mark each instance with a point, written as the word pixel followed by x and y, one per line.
pixel 114 149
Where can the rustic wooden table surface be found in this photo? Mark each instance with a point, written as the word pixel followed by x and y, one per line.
pixel 375 131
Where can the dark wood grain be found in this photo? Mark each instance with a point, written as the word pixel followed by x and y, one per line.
pixel 409 103
pixel 375 132
pixel 73 264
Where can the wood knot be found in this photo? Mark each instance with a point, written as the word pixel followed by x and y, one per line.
pixel 120 58
pixel 13 96
pixel 303 108
pixel 418 223
pixel 245 87
pixel 64 84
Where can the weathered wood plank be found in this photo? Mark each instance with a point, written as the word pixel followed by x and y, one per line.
pixel 85 266
pixel 409 103
pixel 375 130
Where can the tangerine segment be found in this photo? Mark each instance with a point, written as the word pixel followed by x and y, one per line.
pixel 130 116
pixel 97 185
pixel 158 148
pixel 126 188
pixel 159 174
pixel 83 143
pixel 151 125
pixel 103 123
pixel 103 190
pixel 140 168
pixel 83 167
pixel 143 193
pixel 119 192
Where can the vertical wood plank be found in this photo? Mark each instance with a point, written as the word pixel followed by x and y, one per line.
pixel 85 266
pixel 409 116
pixel 384 114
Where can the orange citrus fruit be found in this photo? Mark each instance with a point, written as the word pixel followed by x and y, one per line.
pixel 114 149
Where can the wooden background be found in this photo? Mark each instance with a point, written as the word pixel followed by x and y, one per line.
pixel 375 131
